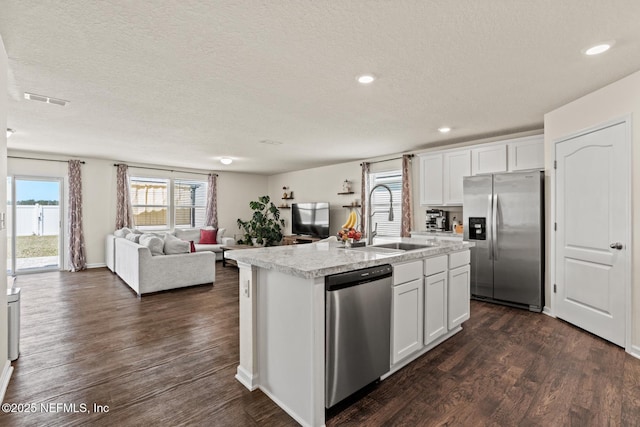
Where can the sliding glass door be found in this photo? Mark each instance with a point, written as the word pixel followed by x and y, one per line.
pixel 35 221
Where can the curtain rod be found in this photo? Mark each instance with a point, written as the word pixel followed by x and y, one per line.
pixel 166 170
pixel 388 160
pixel 44 160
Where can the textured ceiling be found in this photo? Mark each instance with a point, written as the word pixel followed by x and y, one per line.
pixel 182 83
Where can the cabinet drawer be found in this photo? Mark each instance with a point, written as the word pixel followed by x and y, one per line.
pixel 435 265
pixel 458 259
pixel 407 272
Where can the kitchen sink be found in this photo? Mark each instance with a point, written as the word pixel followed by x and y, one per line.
pixel 378 250
pixel 406 246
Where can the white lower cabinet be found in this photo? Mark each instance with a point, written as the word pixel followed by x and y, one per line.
pixel 407 319
pixel 459 305
pixel 430 299
pixel 435 307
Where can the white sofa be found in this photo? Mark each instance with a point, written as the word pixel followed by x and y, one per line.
pixel 190 234
pixel 146 273
pixel 184 234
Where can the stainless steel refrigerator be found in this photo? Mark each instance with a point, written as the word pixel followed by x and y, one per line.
pixel 504 217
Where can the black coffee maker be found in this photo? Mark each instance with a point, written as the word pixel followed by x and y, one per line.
pixel 437 220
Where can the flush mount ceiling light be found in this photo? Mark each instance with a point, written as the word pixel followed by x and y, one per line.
pixel 444 129
pixel 45 99
pixel 366 79
pixel 10 132
pixel 226 161
pixel 598 49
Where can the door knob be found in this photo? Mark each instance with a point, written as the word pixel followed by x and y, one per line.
pixel 616 245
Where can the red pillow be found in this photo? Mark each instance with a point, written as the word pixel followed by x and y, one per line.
pixel 208 237
pixel 193 246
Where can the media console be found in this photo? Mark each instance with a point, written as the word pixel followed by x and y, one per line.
pixel 297 240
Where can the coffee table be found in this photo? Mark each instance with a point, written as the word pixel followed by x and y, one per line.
pixel 233 248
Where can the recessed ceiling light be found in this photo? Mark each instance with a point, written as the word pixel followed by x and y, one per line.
pixel 10 132
pixel 444 129
pixel 365 79
pixel 226 161
pixel 598 49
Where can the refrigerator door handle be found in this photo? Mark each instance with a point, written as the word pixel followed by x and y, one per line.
pixel 489 224
pixel 494 228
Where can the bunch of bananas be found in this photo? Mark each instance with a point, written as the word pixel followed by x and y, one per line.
pixel 351 221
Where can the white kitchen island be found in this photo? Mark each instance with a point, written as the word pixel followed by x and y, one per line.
pixel 282 313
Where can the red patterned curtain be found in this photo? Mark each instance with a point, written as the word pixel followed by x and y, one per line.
pixel 211 213
pixel 407 202
pixel 124 211
pixel 77 257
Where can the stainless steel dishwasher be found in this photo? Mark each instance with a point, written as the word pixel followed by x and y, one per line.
pixel 358 330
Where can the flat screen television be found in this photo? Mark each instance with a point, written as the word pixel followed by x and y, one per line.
pixel 310 219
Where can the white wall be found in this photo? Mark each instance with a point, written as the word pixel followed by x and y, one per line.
pixel 235 190
pixel 320 185
pixel 612 101
pixel 3 196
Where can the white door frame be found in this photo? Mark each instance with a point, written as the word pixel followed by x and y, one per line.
pixel 61 225
pixel 626 120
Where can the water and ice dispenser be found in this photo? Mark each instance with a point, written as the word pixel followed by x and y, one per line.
pixel 477 228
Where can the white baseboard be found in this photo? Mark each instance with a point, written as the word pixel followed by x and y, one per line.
pixel 246 379
pixel 4 380
pixel 286 409
pixel 546 310
pixel 634 351
pixel 97 265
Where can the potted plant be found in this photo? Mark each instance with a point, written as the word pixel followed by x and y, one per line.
pixel 265 226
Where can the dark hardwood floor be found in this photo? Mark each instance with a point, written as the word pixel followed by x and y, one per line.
pixel 170 359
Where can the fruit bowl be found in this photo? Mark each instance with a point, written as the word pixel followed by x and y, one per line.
pixel 349 235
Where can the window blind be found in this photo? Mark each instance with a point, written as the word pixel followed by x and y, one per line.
pixel 380 200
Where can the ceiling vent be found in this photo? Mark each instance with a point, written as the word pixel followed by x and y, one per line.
pixel 47 99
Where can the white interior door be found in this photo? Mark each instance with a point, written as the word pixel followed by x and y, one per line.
pixel 593 232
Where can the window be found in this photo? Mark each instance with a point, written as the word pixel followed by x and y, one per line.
pixel 163 203
pixel 190 202
pixel 150 202
pixel 380 202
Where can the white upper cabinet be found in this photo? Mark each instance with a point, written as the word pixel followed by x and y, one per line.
pixel 526 153
pixel 441 172
pixel 457 164
pixel 490 159
pixel 431 185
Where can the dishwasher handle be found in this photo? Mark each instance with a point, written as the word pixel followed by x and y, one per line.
pixel 357 277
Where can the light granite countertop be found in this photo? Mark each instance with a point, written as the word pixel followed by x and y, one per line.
pixel 435 233
pixel 325 258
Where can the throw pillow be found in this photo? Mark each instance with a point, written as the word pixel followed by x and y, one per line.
pixel 154 243
pixel 220 234
pixel 173 245
pixel 134 237
pixel 193 246
pixel 122 232
pixel 188 234
pixel 208 237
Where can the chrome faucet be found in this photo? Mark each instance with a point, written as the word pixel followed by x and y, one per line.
pixel 371 234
